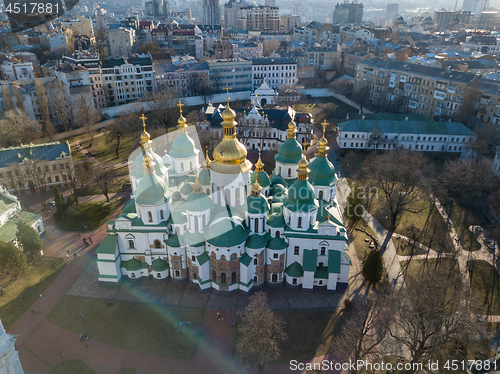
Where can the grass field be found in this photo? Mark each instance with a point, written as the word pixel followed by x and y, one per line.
pixel 414 268
pixel 462 219
pixel 136 327
pixel 18 296
pixel 358 239
pixel 72 367
pixel 106 150
pixel 485 284
pixel 91 215
pixel 404 248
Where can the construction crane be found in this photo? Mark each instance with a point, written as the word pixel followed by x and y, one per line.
pixel 456 3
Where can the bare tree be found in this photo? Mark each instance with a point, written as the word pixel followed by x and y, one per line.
pixel 18 181
pixel 19 98
pixel 260 333
pixel 17 128
pixel 363 330
pixel 82 172
pixel 43 104
pixel 87 116
pixel 59 103
pixel 469 105
pixel 38 172
pixel 395 174
pixel 162 106
pixel 102 177
pixel 7 98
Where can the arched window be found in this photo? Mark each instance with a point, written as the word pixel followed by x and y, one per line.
pixel 208 191
pixel 237 196
pixel 223 278
pixel 227 193
pixel 195 276
pixel 177 230
pixel 320 194
pixel 196 224
pixel 193 258
pixel 289 172
pixel 299 221
pixel 190 164
pixel 150 217
pixel 246 190
pixel 320 264
pixel 255 261
pixel 256 223
pixel 161 214
pixel 277 234
pixel 182 166
pixel 157 244
pixel 233 256
pixel 222 257
pixel 233 277
pixel 131 244
pixel 274 278
pixel 204 219
pixel 214 276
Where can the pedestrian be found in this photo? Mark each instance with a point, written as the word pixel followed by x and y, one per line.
pixel 40 296
pixel 74 254
pixel 90 240
pixel 218 316
pixel 67 256
pixel 36 312
pixel 86 345
pixel 78 234
pixel 33 311
pixel 84 241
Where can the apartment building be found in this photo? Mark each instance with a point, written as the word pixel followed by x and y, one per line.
pixel 231 11
pixel 348 13
pixel 191 79
pixel 120 41
pixel 277 72
pixel 91 62
pixel 237 73
pixel 80 25
pixel 259 18
pixel 127 79
pixel 413 88
pixel 12 69
pixel 317 32
pixel 488 110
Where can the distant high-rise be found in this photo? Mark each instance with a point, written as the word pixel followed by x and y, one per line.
pixel 348 13
pixel 211 12
pixel 231 10
pixel 394 8
pixel 443 18
pixel 473 6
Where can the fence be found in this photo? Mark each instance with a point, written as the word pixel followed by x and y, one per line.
pixel 326 92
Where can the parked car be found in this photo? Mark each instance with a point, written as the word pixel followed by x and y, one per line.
pixel 50 204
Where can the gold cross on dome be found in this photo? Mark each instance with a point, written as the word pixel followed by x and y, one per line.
pixel 227 91
pixel 144 118
pixel 328 217
pixel 324 124
pixel 305 144
pixel 180 105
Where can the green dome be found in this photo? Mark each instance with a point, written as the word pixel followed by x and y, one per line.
pixel 183 147
pixel 159 265
pixel 227 231
pixel 300 197
pixel 198 202
pixel 261 177
pixel 134 264
pixel 290 152
pixel 278 190
pixel 193 239
pixel 322 172
pixel 151 190
pixel 257 241
pixel 276 220
pixel 138 170
pixel 257 204
pixel 178 217
pixel 277 244
pixel 186 189
pixel 176 196
pixel 278 179
pixel 204 177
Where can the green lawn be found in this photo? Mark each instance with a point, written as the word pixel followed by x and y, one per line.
pixel 91 215
pixel 485 284
pixel 18 296
pixel 71 367
pixel 106 150
pixel 137 327
pixel 305 108
pixel 404 248
pixel 358 239
pixel 414 268
pixel 463 218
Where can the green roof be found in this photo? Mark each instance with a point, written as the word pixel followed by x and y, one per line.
pixel 278 179
pixel 9 229
pixel 203 258
pixel 261 177
pixel 134 264
pixel 322 172
pixel 138 169
pixel 321 272
pixel 159 265
pixel 108 245
pixel 257 204
pixel 193 239
pixel 334 261
pixel 256 241
pixel 204 177
pixel 245 259
pixel 6 204
pixel 276 220
pixel 277 243
pixel 300 197
pixel 186 189
pixel 198 202
pixel 294 270
pixel 290 152
pixel 173 241
pixel 310 259
pixel 406 127
pixel 151 190
pixel 183 147
pixel 228 231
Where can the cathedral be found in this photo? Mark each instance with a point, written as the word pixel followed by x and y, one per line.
pixel 226 225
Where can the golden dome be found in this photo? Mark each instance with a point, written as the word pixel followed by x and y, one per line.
pixel 145 137
pixel 197 188
pixel 181 122
pixel 148 163
pixel 292 129
pixel 256 188
pixel 323 142
pixel 207 159
pixel 303 170
pixel 259 166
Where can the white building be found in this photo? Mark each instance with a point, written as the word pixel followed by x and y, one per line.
pixel 14 70
pixel 53 41
pixel 9 357
pixel 417 135
pixel 225 227
pixel 120 41
pixel 80 25
pixel 277 72
pixel 264 95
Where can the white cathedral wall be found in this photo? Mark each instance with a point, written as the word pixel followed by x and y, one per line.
pixel 308 280
pixel 292 218
pixel 109 268
pixel 227 252
pixel 344 273
pixel 332 281
pixel 287 171
pixel 184 166
pixel 230 186
pixel 197 216
pixel 262 221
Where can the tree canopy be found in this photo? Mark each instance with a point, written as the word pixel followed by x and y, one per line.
pixel 28 239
